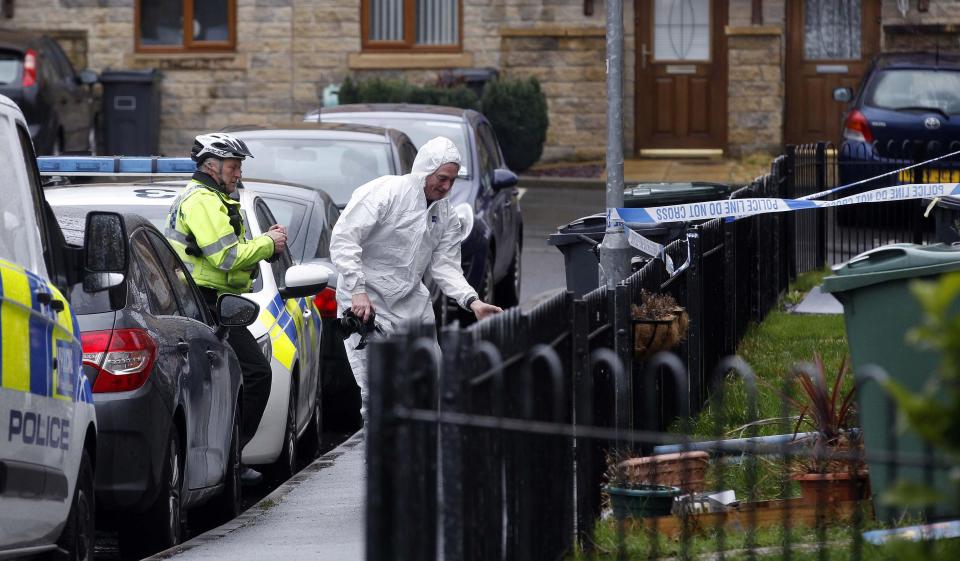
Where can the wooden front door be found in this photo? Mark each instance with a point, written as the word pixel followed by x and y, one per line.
pixel 681 99
pixel 829 45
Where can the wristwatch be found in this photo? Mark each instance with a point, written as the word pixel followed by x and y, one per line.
pixel 470 301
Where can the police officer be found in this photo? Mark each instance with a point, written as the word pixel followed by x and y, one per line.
pixel 206 229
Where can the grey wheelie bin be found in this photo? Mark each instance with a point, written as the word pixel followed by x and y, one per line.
pixel 879 310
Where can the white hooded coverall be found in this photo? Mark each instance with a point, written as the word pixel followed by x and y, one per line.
pixel 387 238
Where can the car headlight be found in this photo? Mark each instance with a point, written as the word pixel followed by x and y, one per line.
pixel 266 347
pixel 465 215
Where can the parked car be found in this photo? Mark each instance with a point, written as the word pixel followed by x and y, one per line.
pixel 905 110
pixel 288 328
pixel 336 158
pixel 486 188
pixel 309 215
pixel 57 102
pixel 166 387
pixel 48 444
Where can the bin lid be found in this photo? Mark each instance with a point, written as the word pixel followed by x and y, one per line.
pixel 661 194
pixel 893 262
pixel 595 225
pixel 129 76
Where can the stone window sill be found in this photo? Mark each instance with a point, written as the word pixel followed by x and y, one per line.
pixel 187 61
pixel 407 60
pixel 553 31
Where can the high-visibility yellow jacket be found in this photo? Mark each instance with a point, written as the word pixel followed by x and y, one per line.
pixel 201 217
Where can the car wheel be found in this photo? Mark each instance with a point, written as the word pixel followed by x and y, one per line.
pixel 508 289
pixel 77 538
pixel 228 504
pixel 286 464
pixel 313 439
pixel 162 526
pixel 486 292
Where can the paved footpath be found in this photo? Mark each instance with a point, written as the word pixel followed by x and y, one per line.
pixel 317 515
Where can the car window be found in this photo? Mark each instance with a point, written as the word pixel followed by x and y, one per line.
pixel 336 166
pixel 290 214
pixel 20 238
pixel 177 276
pixel 486 164
pixel 280 265
pixel 903 88
pixel 420 129
pixel 33 180
pixel 9 68
pixel 64 68
pixel 408 153
pixel 489 137
pixel 152 282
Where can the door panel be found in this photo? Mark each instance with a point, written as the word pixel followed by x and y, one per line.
pixel 681 60
pixel 830 43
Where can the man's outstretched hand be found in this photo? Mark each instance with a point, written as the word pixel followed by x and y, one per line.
pixel 483 310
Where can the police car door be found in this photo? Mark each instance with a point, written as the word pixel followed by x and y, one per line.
pixel 301 314
pixel 44 404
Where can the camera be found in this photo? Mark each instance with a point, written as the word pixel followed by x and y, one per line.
pixel 350 324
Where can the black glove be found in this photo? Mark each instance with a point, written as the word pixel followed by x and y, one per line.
pixel 192 248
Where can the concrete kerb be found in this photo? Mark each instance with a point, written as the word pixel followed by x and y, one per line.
pixel 264 505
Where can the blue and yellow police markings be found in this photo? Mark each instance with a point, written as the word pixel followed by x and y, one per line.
pixel 39 347
pixel 283 332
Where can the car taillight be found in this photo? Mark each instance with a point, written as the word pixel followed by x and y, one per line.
pixel 123 358
pixel 326 302
pixel 29 68
pixel 857 128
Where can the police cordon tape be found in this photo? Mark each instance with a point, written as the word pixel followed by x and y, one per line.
pixel 741 208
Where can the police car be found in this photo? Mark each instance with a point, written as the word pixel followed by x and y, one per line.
pixel 48 428
pixel 288 329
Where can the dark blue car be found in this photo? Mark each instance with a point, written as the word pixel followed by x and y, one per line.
pixel 907 109
pixel 486 188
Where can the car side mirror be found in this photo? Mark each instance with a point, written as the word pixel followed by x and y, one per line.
pixel 236 311
pixel 88 77
pixel 304 281
pixel 843 95
pixel 105 251
pixel 503 178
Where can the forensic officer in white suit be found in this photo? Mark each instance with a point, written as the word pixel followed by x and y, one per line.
pixel 394 229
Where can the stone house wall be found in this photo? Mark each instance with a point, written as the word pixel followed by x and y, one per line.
pixel 288 50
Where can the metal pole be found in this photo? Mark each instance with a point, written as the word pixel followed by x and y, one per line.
pixel 614 251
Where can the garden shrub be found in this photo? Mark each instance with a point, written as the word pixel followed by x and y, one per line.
pixel 517 109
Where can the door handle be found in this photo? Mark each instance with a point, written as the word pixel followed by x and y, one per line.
pixel 644 53
pixel 183 347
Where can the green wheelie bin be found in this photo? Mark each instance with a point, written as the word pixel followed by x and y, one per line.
pixel 879 310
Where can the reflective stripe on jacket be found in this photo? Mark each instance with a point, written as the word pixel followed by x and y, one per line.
pixel 228 259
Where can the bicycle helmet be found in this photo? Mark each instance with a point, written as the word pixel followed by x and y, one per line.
pixel 219 145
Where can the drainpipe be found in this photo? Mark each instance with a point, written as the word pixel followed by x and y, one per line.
pixel 614 251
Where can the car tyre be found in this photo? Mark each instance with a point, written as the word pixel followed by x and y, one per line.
pixel 508 289
pixel 78 536
pixel 286 464
pixel 313 439
pixel 229 503
pixel 163 525
pixel 486 291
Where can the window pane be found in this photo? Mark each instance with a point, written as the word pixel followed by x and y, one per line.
pixel 210 20
pixel 386 20
pixel 681 30
pixel 291 215
pixel 438 22
pixel 832 29
pixel 160 298
pixel 336 166
pixel 161 22
pixel 9 68
pixel 178 279
pixel 934 89
pixel 19 233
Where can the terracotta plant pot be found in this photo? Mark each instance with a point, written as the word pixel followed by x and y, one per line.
pixel 834 487
pixel 686 470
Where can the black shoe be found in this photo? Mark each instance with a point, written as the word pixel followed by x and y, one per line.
pixel 250 477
